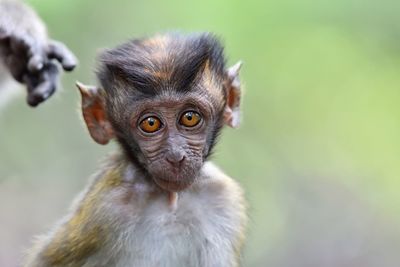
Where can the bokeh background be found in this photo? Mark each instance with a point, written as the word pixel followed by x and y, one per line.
pixel 318 151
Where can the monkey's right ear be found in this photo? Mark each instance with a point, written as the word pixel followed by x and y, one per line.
pixel 94 114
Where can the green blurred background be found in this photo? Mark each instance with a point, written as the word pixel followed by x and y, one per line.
pixel 318 151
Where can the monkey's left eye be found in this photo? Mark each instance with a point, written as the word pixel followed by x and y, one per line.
pixel 190 119
pixel 150 124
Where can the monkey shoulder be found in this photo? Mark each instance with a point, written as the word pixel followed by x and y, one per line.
pixel 90 224
pixel 226 191
pixel 224 196
pixel 214 180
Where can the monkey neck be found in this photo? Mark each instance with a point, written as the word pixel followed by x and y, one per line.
pixel 134 171
pixel 173 200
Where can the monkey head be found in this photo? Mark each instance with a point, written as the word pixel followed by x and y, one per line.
pixel 165 99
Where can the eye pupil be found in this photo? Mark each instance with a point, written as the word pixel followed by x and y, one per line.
pixel 151 121
pixel 189 116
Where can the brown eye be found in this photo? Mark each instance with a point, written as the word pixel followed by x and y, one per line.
pixel 190 119
pixel 150 124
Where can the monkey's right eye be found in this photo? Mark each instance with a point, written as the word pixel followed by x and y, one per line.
pixel 150 124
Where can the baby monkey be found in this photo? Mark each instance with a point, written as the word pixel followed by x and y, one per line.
pixel 159 202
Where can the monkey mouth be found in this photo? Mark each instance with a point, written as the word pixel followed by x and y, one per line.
pixel 172 178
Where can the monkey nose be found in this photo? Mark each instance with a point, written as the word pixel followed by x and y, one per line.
pixel 175 159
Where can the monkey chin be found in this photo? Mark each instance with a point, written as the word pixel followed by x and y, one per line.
pixel 174 179
pixel 173 185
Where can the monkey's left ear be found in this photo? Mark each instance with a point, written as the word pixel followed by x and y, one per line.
pixel 94 114
pixel 232 108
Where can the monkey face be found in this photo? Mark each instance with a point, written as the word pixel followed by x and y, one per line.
pixel 165 99
pixel 172 134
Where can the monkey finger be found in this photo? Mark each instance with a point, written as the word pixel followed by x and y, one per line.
pixel 35 62
pixel 28 49
pixel 40 93
pixel 42 87
pixel 36 55
pixel 59 51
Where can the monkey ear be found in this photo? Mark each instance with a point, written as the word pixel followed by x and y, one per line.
pixel 94 114
pixel 232 108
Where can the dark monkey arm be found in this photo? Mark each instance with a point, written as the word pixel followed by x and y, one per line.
pixel 27 52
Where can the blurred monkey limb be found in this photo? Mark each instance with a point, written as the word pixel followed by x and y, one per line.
pixel 27 54
pixel 159 201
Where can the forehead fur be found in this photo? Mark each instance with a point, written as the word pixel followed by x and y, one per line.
pixel 164 62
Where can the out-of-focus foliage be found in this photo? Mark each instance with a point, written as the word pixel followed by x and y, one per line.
pixel 318 151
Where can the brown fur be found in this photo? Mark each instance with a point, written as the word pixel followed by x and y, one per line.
pixel 79 238
pixel 159 203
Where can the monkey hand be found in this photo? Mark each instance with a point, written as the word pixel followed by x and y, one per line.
pixel 33 62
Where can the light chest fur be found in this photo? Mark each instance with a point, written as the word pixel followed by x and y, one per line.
pixel 200 231
pixel 204 229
